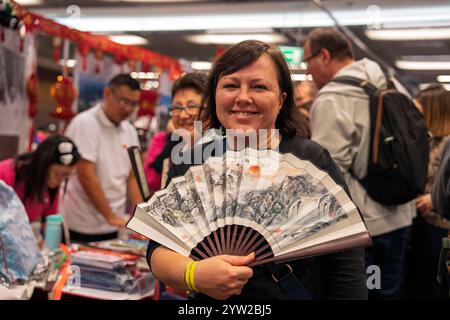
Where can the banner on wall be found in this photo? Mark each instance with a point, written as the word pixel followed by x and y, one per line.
pixel 17 63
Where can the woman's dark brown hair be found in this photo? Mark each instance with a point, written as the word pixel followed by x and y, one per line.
pixel 238 57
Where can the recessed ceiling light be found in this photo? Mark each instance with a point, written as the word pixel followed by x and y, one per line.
pixel 69 62
pixel 29 2
pixel 154 1
pixel 409 34
pixel 235 38
pixel 423 65
pixel 128 39
pixel 443 78
pixel 201 65
pixel 220 18
pixel 423 86
pixel 145 75
pixel 301 77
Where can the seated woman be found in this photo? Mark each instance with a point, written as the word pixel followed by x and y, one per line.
pixel 186 97
pixel 250 88
pixel 36 176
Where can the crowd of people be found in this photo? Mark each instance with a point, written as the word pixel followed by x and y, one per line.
pixel 250 87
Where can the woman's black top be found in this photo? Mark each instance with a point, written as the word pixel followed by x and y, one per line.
pixel 332 276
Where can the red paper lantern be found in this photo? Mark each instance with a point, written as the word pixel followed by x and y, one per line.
pixel 64 93
pixel 32 92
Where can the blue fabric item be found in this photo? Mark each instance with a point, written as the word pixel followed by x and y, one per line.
pixel 19 251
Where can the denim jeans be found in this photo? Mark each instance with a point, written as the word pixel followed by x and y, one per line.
pixel 388 253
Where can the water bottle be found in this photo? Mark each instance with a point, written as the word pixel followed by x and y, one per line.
pixel 53 231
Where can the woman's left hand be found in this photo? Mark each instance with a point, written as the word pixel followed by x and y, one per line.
pixel 424 204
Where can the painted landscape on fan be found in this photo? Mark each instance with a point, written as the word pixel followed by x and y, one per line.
pixel 276 205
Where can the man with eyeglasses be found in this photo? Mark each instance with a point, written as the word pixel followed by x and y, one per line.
pixel 94 205
pixel 340 122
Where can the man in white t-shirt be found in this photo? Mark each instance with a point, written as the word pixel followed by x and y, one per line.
pixel 95 200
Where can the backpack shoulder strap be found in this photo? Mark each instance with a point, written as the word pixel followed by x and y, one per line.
pixel 368 88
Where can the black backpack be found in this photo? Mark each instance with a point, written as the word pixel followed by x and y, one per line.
pixel 399 151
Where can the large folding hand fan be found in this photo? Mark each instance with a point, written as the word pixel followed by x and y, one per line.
pixel 275 205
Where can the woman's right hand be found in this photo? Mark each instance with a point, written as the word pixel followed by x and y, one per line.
pixel 222 276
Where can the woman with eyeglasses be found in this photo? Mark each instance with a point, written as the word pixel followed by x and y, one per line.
pixel 187 94
pixel 36 176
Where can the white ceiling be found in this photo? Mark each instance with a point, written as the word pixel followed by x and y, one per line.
pixel 167 25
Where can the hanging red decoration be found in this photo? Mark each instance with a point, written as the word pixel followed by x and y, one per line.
pixel 174 71
pixel 64 93
pixel 30 23
pixel 99 58
pixel 132 64
pixel 56 48
pixel 83 50
pixel 2 34
pixel 120 59
pixel 95 42
pixel 32 92
pixel 145 67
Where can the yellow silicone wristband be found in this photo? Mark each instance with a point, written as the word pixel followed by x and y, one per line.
pixel 187 277
pixel 192 273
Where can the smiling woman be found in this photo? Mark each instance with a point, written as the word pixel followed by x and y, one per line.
pixel 250 98
pixel 250 89
pixel 187 93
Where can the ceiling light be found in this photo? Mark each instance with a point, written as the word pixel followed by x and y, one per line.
pixel 201 65
pixel 423 65
pixel 301 77
pixel 29 2
pixel 128 39
pixel 70 63
pixel 409 34
pixel 155 1
pixel 235 38
pixel 423 86
pixel 145 75
pixel 219 18
pixel 443 78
